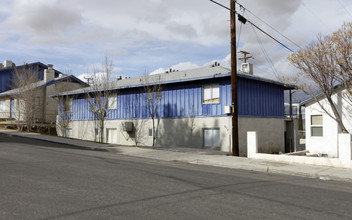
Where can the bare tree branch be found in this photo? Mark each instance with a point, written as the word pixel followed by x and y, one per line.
pixel 152 96
pixel 327 62
pixel 25 79
pixel 100 97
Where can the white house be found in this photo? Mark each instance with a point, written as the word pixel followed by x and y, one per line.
pixel 321 128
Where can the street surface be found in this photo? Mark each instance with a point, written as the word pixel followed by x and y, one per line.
pixel 43 180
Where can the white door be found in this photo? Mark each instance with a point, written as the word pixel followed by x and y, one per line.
pixel 111 135
pixel 69 133
pixel 211 137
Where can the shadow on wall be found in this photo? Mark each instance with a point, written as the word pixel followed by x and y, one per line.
pixel 180 132
pixel 139 134
pixel 84 130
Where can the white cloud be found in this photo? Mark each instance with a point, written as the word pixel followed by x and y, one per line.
pixel 184 66
pixel 157 33
pixel 158 71
pixel 225 62
pixel 44 17
pixel 84 77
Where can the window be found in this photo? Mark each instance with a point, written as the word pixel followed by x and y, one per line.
pixel 150 95
pixel 3 106
pixel 96 132
pixel 154 95
pixel 158 135
pixel 158 95
pixel 211 137
pixel 316 125
pixel 211 94
pixel 112 102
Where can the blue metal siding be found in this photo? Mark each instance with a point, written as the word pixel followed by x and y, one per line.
pixel 255 99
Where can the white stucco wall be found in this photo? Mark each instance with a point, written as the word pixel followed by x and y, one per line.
pixel 188 132
pixel 328 143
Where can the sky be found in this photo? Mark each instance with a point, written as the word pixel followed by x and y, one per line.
pixel 151 36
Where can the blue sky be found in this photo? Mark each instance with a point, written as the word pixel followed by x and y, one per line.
pixel 154 35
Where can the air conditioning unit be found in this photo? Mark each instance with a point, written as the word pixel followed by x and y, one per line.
pixel 247 68
pixel 127 126
pixel 228 109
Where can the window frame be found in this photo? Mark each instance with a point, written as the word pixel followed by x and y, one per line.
pixel 312 126
pixel 158 133
pixel 3 105
pixel 212 99
pixel 113 105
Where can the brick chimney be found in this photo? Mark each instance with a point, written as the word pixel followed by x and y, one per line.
pixel 49 74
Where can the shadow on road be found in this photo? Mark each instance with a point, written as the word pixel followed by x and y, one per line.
pixel 7 138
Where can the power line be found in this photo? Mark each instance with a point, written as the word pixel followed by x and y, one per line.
pixel 311 12
pixel 270 36
pixel 266 55
pixel 239 34
pixel 244 20
pixel 268 24
pixel 345 8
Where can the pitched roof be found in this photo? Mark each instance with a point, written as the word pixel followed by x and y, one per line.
pixel 175 77
pixel 42 83
pixel 36 64
pixel 320 95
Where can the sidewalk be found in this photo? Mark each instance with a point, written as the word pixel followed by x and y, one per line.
pixel 202 157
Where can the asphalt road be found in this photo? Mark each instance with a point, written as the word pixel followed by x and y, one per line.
pixel 42 180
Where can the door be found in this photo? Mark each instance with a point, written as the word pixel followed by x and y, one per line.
pixel 211 137
pixel 289 137
pixel 12 108
pixel 111 135
pixel 69 133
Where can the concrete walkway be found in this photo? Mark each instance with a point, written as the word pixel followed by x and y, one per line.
pixel 202 157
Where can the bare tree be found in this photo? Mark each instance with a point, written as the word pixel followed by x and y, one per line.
pixel 100 97
pixel 138 134
pixel 319 62
pixel 152 96
pixel 342 40
pixel 64 104
pixel 24 82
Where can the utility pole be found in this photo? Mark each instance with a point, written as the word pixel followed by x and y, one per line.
pixel 245 57
pixel 235 147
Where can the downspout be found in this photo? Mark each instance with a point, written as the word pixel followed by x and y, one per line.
pixel 291 124
pixel 290 91
pixel 44 104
